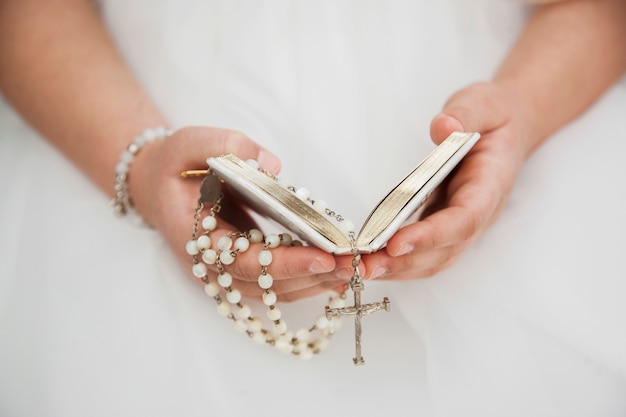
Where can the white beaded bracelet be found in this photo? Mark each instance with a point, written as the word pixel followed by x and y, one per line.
pixel 122 203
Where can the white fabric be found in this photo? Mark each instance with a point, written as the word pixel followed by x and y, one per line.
pixel 98 319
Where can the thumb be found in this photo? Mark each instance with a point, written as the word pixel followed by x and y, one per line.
pixel 199 143
pixel 476 108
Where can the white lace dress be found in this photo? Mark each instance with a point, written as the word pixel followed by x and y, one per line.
pixel 98 319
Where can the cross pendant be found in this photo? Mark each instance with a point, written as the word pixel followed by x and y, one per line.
pixel 358 310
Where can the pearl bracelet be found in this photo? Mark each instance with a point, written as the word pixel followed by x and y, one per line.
pixel 122 203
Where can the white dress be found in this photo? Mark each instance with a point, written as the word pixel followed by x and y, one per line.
pixel 98 319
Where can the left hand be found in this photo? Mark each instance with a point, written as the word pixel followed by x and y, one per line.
pixel 469 201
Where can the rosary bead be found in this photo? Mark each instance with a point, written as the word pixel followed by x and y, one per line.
pixel 255 324
pixel 244 311
pixel 209 256
pixel 233 296
pixel 337 303
pixel 321 322
pixel 255 236
pixel 272 241
pixel 252 163
pixel 346 226
pixel 224 243
pixel 258 338
pixel 209 223
pixel 199 270
pixel 242 244
pixel 283 182
pixel 322 343
pixel 274 313
pixel 211 289
pixel 320 206
pixel 303 335
pixel 225 279
pixel 305 353
pixel 285 239
pixel 227 258
pixel 265 281
pixel 280 327
pixel 283 346
pixel 192 248
pixel 223 309
pixel 203 242
pixel 265 257
pixel 240 326
pixel 269 298
pixel 302 193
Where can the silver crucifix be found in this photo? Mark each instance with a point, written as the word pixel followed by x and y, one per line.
pixel 358 310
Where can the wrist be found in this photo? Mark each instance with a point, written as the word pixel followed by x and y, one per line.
pixel 123 200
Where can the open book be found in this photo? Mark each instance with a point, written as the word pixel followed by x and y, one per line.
pixel 265 195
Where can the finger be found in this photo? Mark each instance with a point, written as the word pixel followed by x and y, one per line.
pixel 469 211
pixel 413 265
pixel 286 263
pixel 193 145
pixel 476 108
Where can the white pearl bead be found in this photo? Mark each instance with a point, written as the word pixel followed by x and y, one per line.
pixel 192 248
pixel 258 338
pixel 149 135
pixel 242 244
pixel 227 258
pixel 303 335
pixel 302 193
pixel 256 236
pixel 121 168
pixel 209 256
pixel 283 347
pixel 280 327
pixel 272 241
pixel 321 322
pixel 244 311
pixel 274 313
pixel 320 206
pixel 283 182
pixel 252 163
pixel 223 309
pixel 224 243
pixel 269 298
pixel 204 242
pixel 346 226
pixel 334 324
pixel 265 281
pixel 322 343
pixel 199 270
pixel 255 324
pixel 240 326
pixel 233 296
pixel 265 258
pixel 286 239
pixel 127 157
pixel 305 354
pixel 337 303
pixel 225 279
pixel 211 289
pixel 209 223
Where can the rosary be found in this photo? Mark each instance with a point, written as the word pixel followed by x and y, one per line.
pixel 223 253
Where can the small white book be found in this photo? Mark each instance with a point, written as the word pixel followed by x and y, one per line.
pixel 265 195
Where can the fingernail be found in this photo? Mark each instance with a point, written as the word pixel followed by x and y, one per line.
pixel 345 273
pixel 378 272
pixel 319 267
pixel 268 161
pixel 404 249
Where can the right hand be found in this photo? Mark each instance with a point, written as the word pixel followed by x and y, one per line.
pixel 167 202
